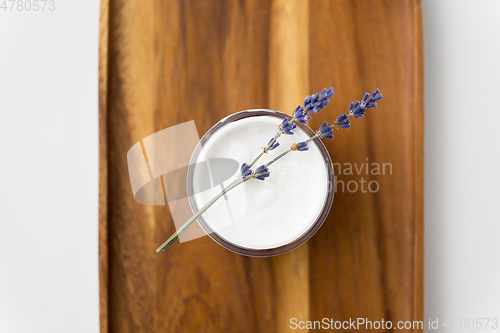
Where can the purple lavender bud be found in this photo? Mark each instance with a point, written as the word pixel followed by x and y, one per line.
pixel 299 146
pixel 260 169
pixel 261 172
pixel 375 92
pixel 343 121
pixel 325 131
pixel 318 101
pixel 304 118
pixel 307 103
pixel 303 148
pixel 327 93
pixel 369 101
pixel 359 111
pixel 365 96
pixel 274 145
pixel 353 105
pixel 374 97
pixel 245 170
pixel 244 167
pixel 298 111
pixel 286 127
pixel 301 115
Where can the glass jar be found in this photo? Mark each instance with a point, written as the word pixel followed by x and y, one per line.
pixel 279 213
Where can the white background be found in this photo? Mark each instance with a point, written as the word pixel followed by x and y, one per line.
pixel 462 158
pixel 49 169
pixel 49 166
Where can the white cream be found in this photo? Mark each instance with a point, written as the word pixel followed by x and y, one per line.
pixel 271 213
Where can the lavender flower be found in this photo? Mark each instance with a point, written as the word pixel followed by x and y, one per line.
pixel 261 173
pixel 358 109
pixel 286 127
pixel 318 101
pixel 299 146
pixel 245 171
pixel 325 131
pixel 301 115
pixel 273 146
pixel 342 121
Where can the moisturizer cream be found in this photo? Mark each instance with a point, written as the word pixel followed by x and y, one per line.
pixel 269 214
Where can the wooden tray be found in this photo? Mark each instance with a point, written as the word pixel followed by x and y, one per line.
pixel 167 62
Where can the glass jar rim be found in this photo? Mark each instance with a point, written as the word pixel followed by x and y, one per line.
pixel 272 251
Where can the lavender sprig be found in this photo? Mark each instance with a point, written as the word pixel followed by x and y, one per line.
pixel 357 109
pixel 325 131
pixel 317 102
pixel 312 104
pixel 245 171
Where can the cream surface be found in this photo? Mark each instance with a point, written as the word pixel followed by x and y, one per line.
pixel 271 213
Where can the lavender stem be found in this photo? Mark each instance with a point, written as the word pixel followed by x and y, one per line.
pixel 193 218
pixel 278 157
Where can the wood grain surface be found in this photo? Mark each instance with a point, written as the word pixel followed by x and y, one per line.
pixel 167 62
